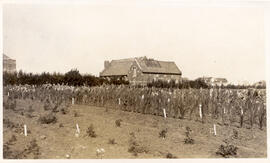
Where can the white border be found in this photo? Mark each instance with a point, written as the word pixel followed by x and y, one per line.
pixel 179 3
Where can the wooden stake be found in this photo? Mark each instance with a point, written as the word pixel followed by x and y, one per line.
pixel 164 113
pixel 78 129
pixel 200 110
pixel 25 130
pixel 119 101
pixel 215 130
pixel 73 100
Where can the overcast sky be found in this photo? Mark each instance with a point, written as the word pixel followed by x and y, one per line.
pixel 218 42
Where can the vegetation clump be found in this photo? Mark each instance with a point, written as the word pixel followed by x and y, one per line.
pixel 118 122
pixel 134 146
pixel 48 119
pixel 162 133
pixel 91 132
pixel 188 139
pixel 227 150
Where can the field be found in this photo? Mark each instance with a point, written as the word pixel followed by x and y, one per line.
pixel 120 132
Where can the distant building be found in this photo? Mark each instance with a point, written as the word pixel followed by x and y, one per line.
pixel 141 70
pixel 214 81
pixel 260 84
pixel 9 65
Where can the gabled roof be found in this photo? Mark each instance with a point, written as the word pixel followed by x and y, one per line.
pixel 5 57
pixel 118 67
pixel 121 67
pixel 154 66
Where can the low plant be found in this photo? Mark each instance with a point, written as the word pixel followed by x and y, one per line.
pixel 118 122
pixel 48 119
pixel 162 133
pixel 91 132
pixel 227 150
pixel 112 141
pixel 134 146
pixel 170 156
pixel 188 139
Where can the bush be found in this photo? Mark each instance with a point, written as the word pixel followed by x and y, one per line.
pixel 227 150
pixel 169 155
pixel 91 132
pixel 162 133
pixel 118 122
pixel 112 141
pixel 47 119
pixel 188 139
pixel 134 147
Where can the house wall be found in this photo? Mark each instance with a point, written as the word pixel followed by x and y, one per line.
pixel 9 65
pixel 136 76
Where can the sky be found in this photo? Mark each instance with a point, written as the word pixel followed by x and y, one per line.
pixel 203 41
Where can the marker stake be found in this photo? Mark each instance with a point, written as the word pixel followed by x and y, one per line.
pixel 78 129
pixel 164 112
pixel 215 130
pixel 25 130
pixel 73 101
pixel 200 110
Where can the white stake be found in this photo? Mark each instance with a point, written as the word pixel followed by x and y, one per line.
pixel 164 112
pixel 242 112
pixel 142 96
pixel 119 101
pixel 8 94
pixel 224 110
pixel 78 129
pixel 73 101
pixel 215 130
pixel 200 110
pixel 25 130
pixel 169 99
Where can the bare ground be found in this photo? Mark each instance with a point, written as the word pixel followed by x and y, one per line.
pixel 56 142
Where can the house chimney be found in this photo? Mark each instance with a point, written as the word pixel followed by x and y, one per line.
pixel 106 64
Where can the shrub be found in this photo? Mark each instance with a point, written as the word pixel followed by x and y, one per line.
pixel 162 133
pixel 91 132
pixel 47 119
pixel 118 122
pixel 76 114
pixel 169 155
pixel 112 141
pixel 227 150
pixel 235 134
pixel 188 139
pixel 134 147
pixel 33 148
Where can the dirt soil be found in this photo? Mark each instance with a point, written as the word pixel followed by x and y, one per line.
pixel 59 140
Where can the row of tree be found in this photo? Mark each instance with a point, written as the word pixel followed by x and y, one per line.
pixel 73 77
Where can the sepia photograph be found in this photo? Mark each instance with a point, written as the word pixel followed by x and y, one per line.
pixel 133 80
